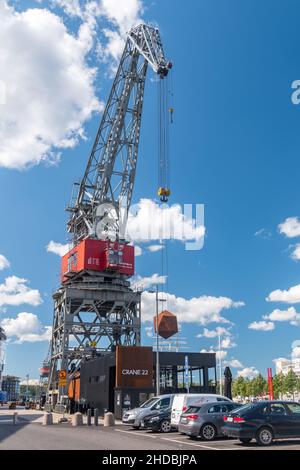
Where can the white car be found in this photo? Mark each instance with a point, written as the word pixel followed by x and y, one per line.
pixel 135 416
pixel 183 401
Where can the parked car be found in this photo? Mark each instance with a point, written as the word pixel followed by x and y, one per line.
pixel 183 401
pixel 205 421
pixel 135 416
pixel 12 405
pixel 264 421
pixel 158 422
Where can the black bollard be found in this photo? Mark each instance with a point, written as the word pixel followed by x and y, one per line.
pixel 89 417
pixel 96 416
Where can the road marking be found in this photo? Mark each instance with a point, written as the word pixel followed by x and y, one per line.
pixel 196 445
pixel 137 433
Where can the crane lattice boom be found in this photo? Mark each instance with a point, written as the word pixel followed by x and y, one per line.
pixel 110 172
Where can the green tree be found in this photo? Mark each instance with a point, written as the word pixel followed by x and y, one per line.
pixel 258 386
pixel 248 388
pixel 278 384
pixel 32 390
pixel 239 387
pixel 290 382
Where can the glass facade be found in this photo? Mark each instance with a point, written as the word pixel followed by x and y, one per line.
pixel 11 385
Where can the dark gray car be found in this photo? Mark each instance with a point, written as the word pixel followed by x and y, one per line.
pixel 205 421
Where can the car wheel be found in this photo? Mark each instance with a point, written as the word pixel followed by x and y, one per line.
pixel 245 440
pixel 208 432
pixel 264 437
pixel 165 426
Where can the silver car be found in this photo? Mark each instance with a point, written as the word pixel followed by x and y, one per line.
pixel 135 416
pixel 205 421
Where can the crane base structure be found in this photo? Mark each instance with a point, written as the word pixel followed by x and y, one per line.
pixel 91 316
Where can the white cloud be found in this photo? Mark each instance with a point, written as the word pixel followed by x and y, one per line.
pixel 204 309
pixel 248 373
pixel 219 353
pixel 295 352
pixel 14 291
pixel 262 325
pixel 290 227
pixel 4 263
pixel 296 252
pixel 289 315
pixel 121 15
pixel 234 363
pixel 214 333
pixel 124 14
pixel 263 233
pixel 150 221
pixel 137 250
pixel 290 296
pixel 70 7
pixel 154 248
pixel 49 86
pixel 227 343
pixel 148 281
pixel 58 248
pixel 26 327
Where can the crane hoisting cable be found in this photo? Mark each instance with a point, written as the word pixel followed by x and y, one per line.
pixel 165 117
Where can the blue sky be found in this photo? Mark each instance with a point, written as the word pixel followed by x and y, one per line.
pixel 234 147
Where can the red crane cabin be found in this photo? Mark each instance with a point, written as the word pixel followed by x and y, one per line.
pixel 98 255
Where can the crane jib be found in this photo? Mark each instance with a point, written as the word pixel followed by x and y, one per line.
pixel 110 173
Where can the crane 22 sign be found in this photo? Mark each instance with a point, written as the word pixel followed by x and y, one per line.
pixel 134 367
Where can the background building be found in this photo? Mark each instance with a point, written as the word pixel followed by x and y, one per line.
pixel 2 353
pixel 285 365
pixel 126 378
pixel 11 385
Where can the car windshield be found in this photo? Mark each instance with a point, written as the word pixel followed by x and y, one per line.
pixel 148 403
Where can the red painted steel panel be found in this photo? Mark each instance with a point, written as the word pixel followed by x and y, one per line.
pixel 98 255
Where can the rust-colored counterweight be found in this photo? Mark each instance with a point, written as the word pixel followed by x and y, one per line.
pixel 166 324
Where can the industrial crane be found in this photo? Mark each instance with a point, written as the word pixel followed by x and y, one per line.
pixel 95 308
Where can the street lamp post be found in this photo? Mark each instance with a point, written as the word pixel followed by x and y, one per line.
pixel 220 364
pixel 27 388
pixel 157 347
pixel 157 300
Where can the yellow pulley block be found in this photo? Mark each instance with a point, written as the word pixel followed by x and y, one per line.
pixel 164 193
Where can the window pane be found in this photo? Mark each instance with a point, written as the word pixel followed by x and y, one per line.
pixel 193 409
pixel 293 407
pixel 165 403
pixel 277 408
pixel 214 409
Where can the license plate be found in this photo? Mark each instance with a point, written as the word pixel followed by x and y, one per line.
pixel 229 419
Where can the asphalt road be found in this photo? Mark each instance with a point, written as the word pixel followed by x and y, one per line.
pixel 34 436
